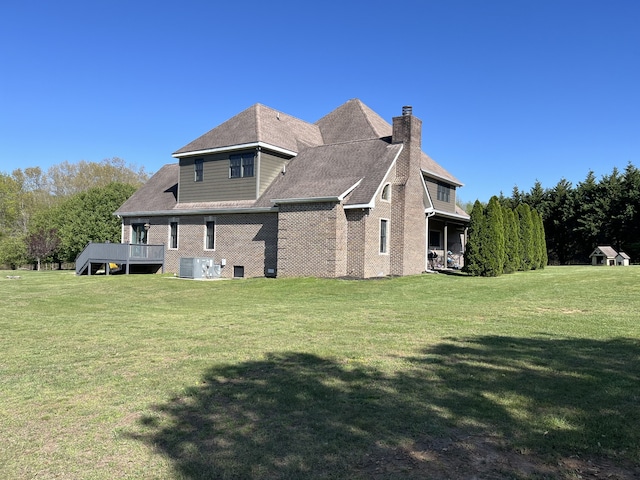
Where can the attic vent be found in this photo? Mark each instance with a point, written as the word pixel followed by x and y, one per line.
pixel 407 110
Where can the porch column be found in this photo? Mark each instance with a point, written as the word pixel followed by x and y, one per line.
pixel 446 244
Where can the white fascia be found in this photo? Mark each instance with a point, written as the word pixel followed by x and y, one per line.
pixel 199 211
pixel 243 146
pixel 441 177
pixel 426 190
pixel 372 202
pixel 337 198
pixel 440 213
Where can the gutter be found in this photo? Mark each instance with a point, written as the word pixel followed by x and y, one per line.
pixel 196 211
pixel 244 146
pixel 431 211
pixel 442 177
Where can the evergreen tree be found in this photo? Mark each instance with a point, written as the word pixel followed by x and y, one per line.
pixel 526 237
pixel 560 223
pixel 540 249
pixel 589 218
pixel 627 213
pixel 512 241
pixel 493 251
pixel 473 261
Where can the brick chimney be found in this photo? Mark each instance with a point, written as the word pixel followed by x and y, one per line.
pixel 408 220
pixel 407 129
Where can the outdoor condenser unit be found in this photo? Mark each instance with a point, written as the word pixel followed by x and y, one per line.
pixel 199 268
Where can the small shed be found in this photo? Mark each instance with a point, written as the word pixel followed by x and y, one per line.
pixel 603 256
pixel 622 259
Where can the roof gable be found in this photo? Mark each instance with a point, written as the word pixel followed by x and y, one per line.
pixel 608 252
pixel 257 123
pixel 331 171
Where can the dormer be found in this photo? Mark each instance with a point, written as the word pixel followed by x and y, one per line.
pixel 240 158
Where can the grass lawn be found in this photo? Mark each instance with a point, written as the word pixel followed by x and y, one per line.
pixel 530 375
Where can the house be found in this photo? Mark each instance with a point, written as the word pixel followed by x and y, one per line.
pixel 268 194
pixel 603 255
pixel 622 259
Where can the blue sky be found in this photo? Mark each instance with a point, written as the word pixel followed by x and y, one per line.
pixel 509 91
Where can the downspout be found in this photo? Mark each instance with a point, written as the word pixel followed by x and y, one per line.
pixel 426 242
pixel 257 167
pixel 121 228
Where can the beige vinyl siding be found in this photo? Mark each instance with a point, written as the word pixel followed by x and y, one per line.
pixel 216 185
pixel 432 186
pixel 271 166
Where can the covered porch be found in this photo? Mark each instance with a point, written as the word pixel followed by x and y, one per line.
pixel 446 240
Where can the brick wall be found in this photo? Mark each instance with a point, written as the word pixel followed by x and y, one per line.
pixel 247 240
pixel 312 240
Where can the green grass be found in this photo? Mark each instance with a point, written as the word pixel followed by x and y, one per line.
pixel 434 376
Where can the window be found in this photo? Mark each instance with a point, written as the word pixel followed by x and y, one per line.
pixel 238 271
pixel 241 165
pixel 384 236
pixel 198 170
pixel 444 192
pixel 173 235
pixel 139 233
pixel 386 192
pixel 210 235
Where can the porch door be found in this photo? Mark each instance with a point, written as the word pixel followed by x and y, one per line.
pixel 138 234
pixel 138 237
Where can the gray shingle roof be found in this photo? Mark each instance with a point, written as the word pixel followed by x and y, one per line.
pixel 257 123
pixel 347 147
pixel 352 121
pixel 158 194
pixel 431 168
pixel 332 170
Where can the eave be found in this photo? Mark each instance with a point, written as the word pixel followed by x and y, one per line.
pixel 243 146
pixel 197 211
pixel 441 213
pixel 441 177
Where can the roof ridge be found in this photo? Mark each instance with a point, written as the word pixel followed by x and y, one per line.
pixel 366 116
pixel 358 140
pixel 258 122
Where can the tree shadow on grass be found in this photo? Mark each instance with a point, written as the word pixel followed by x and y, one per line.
pixel 483 407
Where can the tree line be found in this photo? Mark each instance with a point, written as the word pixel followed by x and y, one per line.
pixel 504 240
pixel 51 215
pixel 594 212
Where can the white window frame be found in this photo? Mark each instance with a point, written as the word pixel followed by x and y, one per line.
pixel 386 188
pixel 207 220
pixel 170 246
pixel 383 249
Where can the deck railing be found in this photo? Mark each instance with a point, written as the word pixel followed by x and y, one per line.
pixel 120 253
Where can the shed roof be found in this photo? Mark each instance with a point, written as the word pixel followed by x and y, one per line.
pixel 606 251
